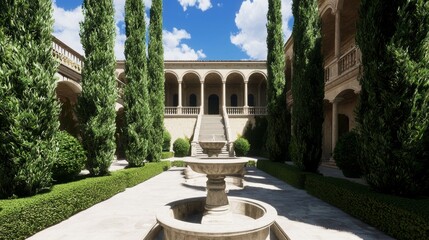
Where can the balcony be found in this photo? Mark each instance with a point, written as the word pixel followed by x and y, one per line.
pixel 348 62
pixel 234 111
pixel 189 111
pixel 66 56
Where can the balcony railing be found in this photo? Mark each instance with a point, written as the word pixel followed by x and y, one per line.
pixel 246 110
pixel 229 110
pixel 235 110
pixel 257 110
pixel 347 62
pixel 67 56
pixel 182 110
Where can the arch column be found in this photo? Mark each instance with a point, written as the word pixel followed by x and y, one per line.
pixel 223 93
pixel 202 98
pixel 179 107
pixel 246 106
pixel 335 122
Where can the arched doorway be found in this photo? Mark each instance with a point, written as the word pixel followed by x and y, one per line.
pixel 213 104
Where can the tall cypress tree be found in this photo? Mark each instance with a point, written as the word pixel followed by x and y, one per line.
pixel 29 109
pixel 136 98
pixel 307 86
pixel 156 80
pixel 96 104
pixel 393 109
pixel 278 131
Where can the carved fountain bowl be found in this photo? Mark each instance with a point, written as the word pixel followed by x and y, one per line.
pixel 212 145
pixel 220 166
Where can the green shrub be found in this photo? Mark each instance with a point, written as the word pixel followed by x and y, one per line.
pixel 241 147
pixel 251 163
pixel 346 155
pixel 21 218
pixel 165 155
pixel 181 147
pixel 178 163
pixel 288 173
pixel 166 141
pixel 70 160
pixel 399 217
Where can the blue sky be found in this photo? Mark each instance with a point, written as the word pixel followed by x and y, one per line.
pixel 193 29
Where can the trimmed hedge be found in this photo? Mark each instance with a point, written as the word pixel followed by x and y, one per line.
pixel 401 218
pixel 181 147
pixel 241 147
pixel 288 173
pixel 165 155
pixel 70 160
pixel 178 163
pixel 21 218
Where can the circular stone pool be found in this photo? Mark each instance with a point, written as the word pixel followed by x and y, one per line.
pixel 251 219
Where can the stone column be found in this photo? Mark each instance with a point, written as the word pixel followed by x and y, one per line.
pixel 202 98
pixel 179 107
pixel 246 105
pixel 337 33
pixel 223 93
pixel 334 122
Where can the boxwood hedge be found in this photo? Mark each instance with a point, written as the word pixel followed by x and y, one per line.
pixel 288 173
pixel 399 217
pixel 402 218
pixel 20 218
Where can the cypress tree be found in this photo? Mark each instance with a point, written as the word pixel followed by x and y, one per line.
pixel 278 130
pixel 29 109
pixel 136 98
pixel 393 112
pixel 307 86
pixel 156 80
pixel 96 104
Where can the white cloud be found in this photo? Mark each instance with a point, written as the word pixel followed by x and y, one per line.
pixel 251 21
pixel 66 26
pixel 203 5
pixel 175 50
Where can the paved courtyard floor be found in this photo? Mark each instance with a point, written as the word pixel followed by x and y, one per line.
pixel 131 214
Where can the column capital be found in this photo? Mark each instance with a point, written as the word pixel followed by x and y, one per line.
pixel 336 100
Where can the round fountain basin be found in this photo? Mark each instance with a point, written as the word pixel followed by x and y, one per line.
pixel 221 166
pixel 251 220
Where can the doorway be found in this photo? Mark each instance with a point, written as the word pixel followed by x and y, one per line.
pixel 213 104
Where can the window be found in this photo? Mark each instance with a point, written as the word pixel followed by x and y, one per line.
pixel 175 100
pixel 193 100
pixel 234 100
pixel 251 100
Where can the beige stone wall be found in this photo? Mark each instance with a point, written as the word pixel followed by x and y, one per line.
pixel 180 127
pixel 238 125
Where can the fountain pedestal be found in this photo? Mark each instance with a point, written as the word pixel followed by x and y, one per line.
pixel 217 206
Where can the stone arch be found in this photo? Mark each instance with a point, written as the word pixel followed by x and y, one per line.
pixel 171 88
pixel 191 84
pixel 257 87
pixel 211 72
pixel 235 85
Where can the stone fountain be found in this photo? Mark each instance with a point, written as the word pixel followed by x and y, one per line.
pixel 216 216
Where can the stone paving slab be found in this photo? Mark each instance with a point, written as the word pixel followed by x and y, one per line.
pixel 130 215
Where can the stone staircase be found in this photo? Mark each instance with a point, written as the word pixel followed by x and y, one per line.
pixel 212 128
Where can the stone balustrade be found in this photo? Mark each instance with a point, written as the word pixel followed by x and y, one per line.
pixel 345 63
pixel 67 56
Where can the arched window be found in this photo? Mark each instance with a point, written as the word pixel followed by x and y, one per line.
pixel 234 102
pixel 251 100
pixel 175 100
pixel 193 100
